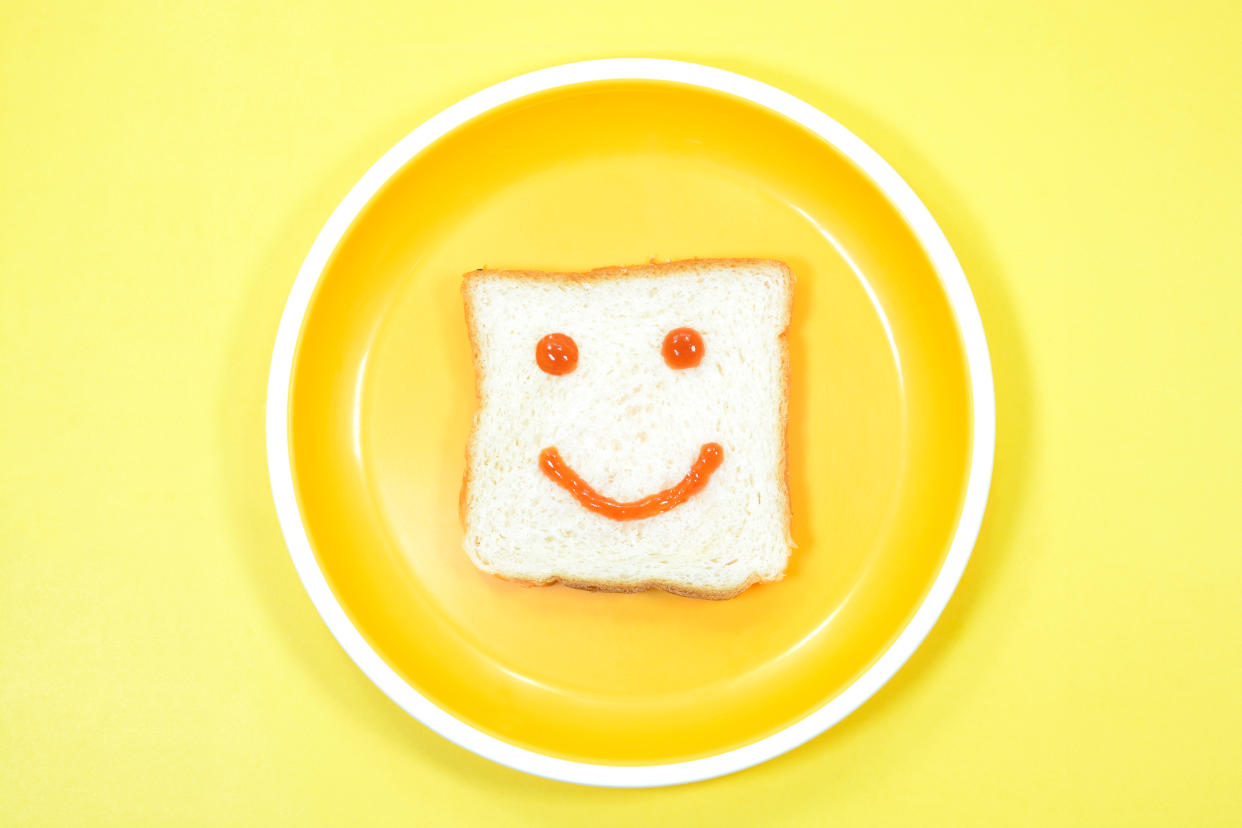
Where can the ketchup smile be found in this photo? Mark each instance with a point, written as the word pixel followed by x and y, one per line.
pixel 559 472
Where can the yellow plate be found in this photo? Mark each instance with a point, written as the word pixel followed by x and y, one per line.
pixel 612 162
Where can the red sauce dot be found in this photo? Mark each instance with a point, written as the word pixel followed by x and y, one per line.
pixel 557 354
pixel 683 348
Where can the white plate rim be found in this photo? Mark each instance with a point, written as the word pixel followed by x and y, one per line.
pixel 961 301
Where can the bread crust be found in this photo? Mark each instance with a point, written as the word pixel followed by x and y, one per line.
pixel 625 272
pixel 640 586
pixel 600 274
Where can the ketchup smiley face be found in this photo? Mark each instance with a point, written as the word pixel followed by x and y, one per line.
pixel 557 354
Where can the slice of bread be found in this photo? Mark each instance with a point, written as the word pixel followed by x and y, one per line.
pixel 631 426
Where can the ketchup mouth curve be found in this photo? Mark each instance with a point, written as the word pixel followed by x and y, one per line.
pixel 560 473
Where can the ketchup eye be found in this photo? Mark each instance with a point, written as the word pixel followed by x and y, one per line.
pixel 557 354
pixel 683 348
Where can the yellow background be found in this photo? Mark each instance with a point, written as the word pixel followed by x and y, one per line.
pixel 164 168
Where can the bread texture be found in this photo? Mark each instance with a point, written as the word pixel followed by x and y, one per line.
pixel 631 426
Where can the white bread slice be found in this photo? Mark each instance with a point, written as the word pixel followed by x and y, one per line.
pixel 631 426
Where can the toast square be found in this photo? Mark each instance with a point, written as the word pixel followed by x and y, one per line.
pixel 630 426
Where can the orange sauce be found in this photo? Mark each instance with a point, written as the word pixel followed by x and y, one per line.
pixel 683 348
pixel 557 354
pixel 710 457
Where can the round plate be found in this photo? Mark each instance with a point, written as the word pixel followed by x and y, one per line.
pixel 891 421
